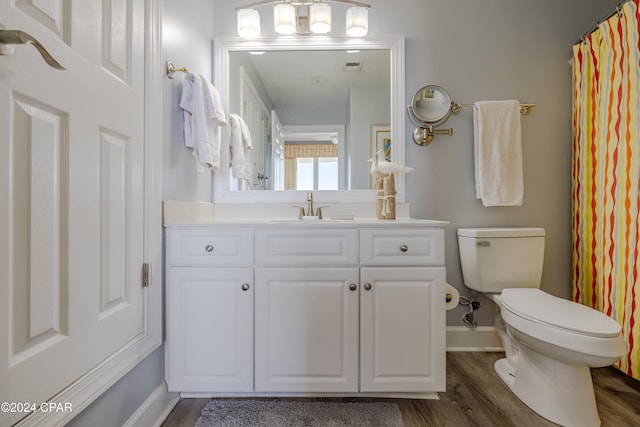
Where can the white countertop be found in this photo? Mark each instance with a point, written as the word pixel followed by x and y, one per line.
pixel 205 215
pixel 294 223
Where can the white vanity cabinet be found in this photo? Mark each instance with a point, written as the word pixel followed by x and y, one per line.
pixel 402 317
pixel 209 310
pixel 306 336
pixel 402 332
pixel 332 308
pixel 307 306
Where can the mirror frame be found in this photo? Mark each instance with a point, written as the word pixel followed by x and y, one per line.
pixel 395 44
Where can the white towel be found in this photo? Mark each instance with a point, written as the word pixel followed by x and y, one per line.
pixel 240 143
pixel 203 117
pixel 498 153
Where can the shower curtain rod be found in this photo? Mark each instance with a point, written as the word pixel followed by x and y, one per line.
pixel 595 27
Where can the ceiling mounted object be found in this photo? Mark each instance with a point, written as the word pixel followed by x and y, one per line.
pixel 304 17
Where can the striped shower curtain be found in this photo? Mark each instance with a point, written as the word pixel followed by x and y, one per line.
pixel 606 175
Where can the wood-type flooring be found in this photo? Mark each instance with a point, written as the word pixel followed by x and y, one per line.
pixel 475 396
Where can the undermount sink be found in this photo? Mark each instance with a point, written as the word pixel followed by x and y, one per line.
pixel 302 221
pixel 316 219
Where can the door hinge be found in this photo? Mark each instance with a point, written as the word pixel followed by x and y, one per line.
pixel 146 275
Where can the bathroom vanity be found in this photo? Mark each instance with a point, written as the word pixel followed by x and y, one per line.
pixel 293 307
pixel 305 308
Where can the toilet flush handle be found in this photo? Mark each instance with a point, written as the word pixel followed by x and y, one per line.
pixel 484 243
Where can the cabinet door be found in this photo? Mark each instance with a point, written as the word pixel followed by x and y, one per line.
pixel 306 330
pixel 402 330
pixel 209 329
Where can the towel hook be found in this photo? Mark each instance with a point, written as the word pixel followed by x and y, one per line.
pixel 171 70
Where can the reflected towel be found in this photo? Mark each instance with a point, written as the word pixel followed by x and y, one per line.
pixel 240 143
pixel 203 116
pixel 498 153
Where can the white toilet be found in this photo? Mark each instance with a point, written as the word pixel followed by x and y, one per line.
pixel 550 343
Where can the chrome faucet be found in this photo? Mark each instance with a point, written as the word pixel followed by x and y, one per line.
pixel 309 212
pixel 310 203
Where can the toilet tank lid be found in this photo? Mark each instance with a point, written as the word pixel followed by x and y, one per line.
pixel 501 232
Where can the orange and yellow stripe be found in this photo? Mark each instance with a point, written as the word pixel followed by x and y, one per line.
pixel 606 175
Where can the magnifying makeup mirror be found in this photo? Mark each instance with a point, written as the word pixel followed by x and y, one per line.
pixel 431 107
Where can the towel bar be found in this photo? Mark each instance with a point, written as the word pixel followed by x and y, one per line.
pixel 525 108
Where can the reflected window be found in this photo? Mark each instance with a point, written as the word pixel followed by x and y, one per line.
pixel 313 173
pixel 304 173
pixel 327 173
pixel 311 167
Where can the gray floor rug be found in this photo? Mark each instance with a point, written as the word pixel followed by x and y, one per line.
pixel 285 413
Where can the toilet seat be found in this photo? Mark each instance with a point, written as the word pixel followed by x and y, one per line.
pixel 540 307
pixel 543 318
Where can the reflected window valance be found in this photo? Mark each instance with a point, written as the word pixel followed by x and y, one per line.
pixel 293 151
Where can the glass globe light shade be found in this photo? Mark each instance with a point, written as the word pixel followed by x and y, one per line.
pixel 357 21
pixel 320 18
pixel 284 18
pixel 248 23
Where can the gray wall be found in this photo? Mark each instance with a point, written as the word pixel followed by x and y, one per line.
pixel 482 50
pixel 187 42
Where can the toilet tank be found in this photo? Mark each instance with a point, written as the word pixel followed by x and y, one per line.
pixel 494 259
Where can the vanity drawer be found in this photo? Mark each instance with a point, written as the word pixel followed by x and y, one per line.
pixel 208 248
pixel 402 246
pixel 308 248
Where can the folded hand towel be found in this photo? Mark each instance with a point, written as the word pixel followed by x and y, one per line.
pixel 498 153
pixel 203 116
pixel 240 143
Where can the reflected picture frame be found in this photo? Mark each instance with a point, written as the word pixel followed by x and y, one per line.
pixel 381 140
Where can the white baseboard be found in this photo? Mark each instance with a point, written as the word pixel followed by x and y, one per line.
pixel 92 385
pixel 155 409
pixel 482 338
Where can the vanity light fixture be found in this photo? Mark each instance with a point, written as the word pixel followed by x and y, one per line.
pixel 302 17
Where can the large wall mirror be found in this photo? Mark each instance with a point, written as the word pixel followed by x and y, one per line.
pixel 316 110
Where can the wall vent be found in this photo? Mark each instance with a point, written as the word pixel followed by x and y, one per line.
pixel 353 66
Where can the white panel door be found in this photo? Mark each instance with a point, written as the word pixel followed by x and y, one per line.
pixel 277 152
pixel 306 329
pixel 71 193
pixel 402 329
pixel 256 116
pixel 210 329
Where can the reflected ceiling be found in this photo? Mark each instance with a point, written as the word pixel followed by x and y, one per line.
pixel 322 81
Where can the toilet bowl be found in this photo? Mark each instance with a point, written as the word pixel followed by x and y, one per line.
pixel 550 343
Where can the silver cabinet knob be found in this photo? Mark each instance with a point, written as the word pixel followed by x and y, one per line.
pixel 367 286
pixel 245 287
pixel 353 286
pixel 208 248
pixel 404 248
